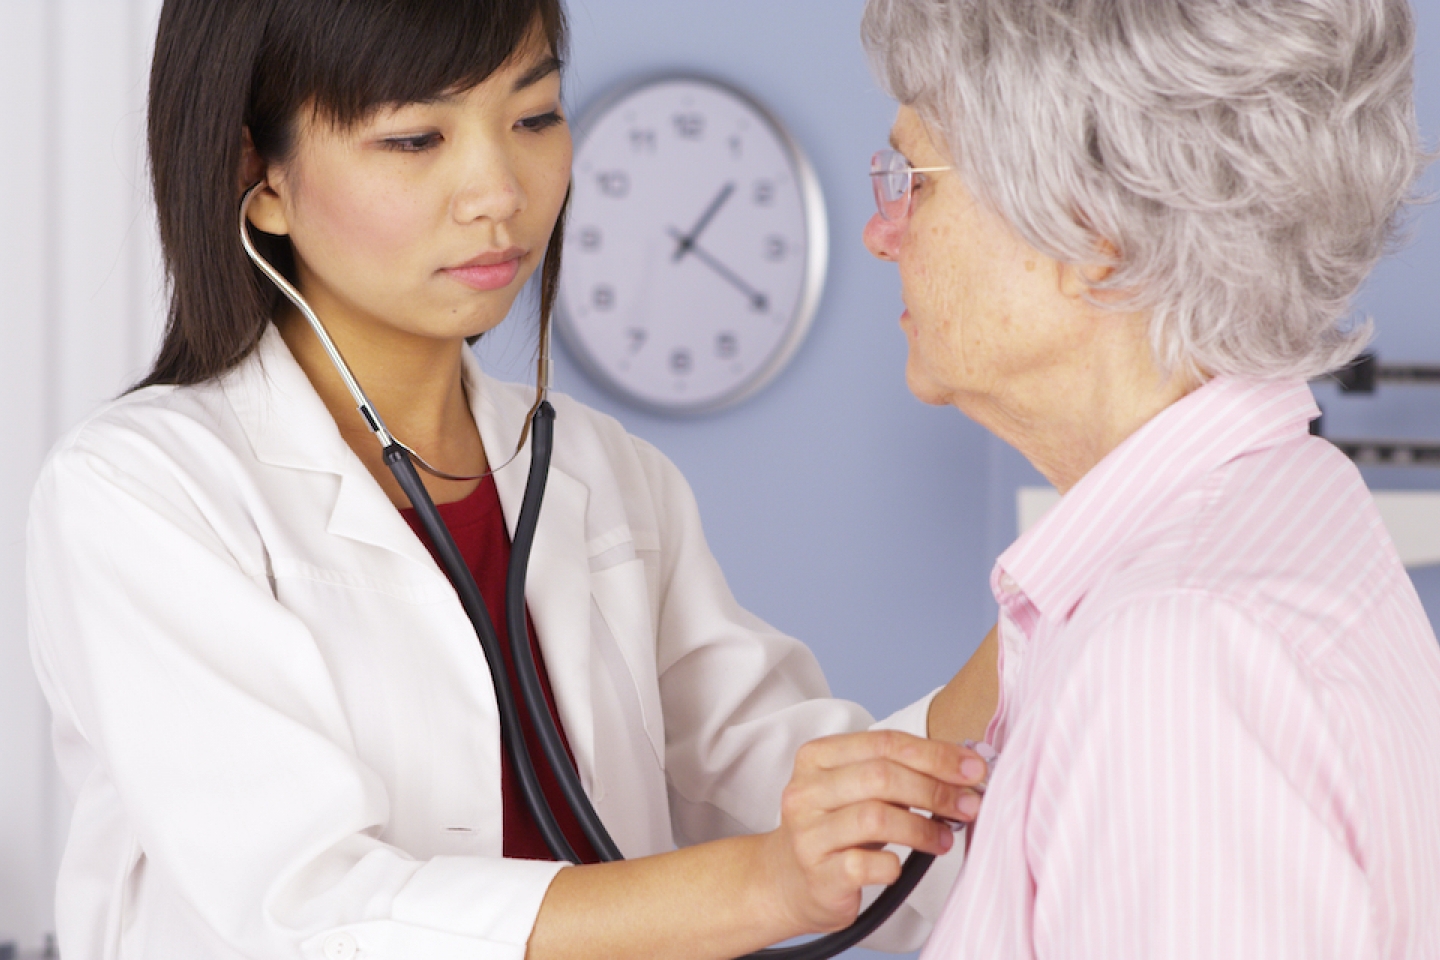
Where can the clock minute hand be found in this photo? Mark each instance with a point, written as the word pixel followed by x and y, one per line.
pixel 687 242
pixel 757 299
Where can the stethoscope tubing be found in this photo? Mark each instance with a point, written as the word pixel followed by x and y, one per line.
pixel 512 736
pixel 532 693
pixel 542 433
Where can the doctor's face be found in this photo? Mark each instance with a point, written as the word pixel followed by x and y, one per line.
pixel 426 219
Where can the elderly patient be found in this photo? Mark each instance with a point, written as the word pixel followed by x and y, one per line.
pixel 1127 232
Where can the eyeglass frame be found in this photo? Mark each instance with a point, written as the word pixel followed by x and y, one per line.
pixel 907 195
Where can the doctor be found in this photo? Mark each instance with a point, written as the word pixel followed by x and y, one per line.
pixel 269 705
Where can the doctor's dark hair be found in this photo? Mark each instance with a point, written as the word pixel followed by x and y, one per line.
pixel 222 67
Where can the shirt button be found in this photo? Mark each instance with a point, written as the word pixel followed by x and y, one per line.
pixel 340 946
pixel 1008 584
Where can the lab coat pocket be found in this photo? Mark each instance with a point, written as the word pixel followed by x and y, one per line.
pixel 622 599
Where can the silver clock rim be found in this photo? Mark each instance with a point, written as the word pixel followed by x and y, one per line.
pixel 817 253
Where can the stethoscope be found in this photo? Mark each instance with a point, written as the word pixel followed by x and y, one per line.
pixel 401 461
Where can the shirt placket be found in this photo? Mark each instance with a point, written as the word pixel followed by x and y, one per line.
pixel 1018 618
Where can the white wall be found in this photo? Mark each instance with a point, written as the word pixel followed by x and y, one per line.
pixel 81 313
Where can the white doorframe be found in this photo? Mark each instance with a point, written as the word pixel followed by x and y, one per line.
pixel 81 315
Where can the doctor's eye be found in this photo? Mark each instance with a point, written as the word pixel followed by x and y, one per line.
pixel 416 144
pixel 542 122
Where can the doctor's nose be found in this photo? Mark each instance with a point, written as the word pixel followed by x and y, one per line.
pixel 882 238
pixel 491 189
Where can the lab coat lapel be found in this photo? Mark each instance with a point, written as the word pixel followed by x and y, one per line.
pixel 289 426
pixel 558 587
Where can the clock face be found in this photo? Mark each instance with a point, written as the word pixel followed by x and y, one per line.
pixel 695 248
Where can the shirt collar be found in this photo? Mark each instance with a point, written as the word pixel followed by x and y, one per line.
pixel 1056 562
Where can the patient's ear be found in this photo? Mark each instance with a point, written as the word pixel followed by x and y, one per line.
pixel 1079 279
pixel 267 210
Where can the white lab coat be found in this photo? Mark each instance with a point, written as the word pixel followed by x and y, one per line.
pixel 276 720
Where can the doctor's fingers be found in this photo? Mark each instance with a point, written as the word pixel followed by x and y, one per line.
pixel 835 885
pixel 864 828
pixel 822 869
pixel 815 792
pixel 949 762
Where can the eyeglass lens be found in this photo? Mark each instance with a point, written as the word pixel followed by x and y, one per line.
pixel 890 174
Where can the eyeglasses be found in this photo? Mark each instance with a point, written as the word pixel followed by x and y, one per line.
pixel 894 182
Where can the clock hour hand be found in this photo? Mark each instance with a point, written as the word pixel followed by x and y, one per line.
pixel 757 299
pixel 687 242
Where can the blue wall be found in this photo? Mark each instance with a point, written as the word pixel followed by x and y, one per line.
pixel 843 510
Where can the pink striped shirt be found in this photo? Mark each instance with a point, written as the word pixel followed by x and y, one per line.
pixel 1219 724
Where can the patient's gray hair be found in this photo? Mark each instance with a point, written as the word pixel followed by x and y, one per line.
pixel 1240 164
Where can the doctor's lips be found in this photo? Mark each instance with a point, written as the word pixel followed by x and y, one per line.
pixel 489 271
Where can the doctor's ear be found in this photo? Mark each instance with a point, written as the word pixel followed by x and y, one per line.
pixel 267 211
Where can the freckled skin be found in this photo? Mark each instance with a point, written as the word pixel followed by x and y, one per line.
pixel 966 278
pixel 1005 333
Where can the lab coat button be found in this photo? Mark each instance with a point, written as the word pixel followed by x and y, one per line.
pixel 340 946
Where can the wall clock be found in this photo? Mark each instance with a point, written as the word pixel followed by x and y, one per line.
pixel 696 245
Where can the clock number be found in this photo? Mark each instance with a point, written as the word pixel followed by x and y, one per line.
pixel 590 239
pixel 637 337
pixel 776 248
pixel 681 362
pixel 603 297
pixel 764 193
pixel 727 346
pixel 642 141
pixel 690 126
pixel 614 183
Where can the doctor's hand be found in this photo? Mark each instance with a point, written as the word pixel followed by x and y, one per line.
pixel 849 796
